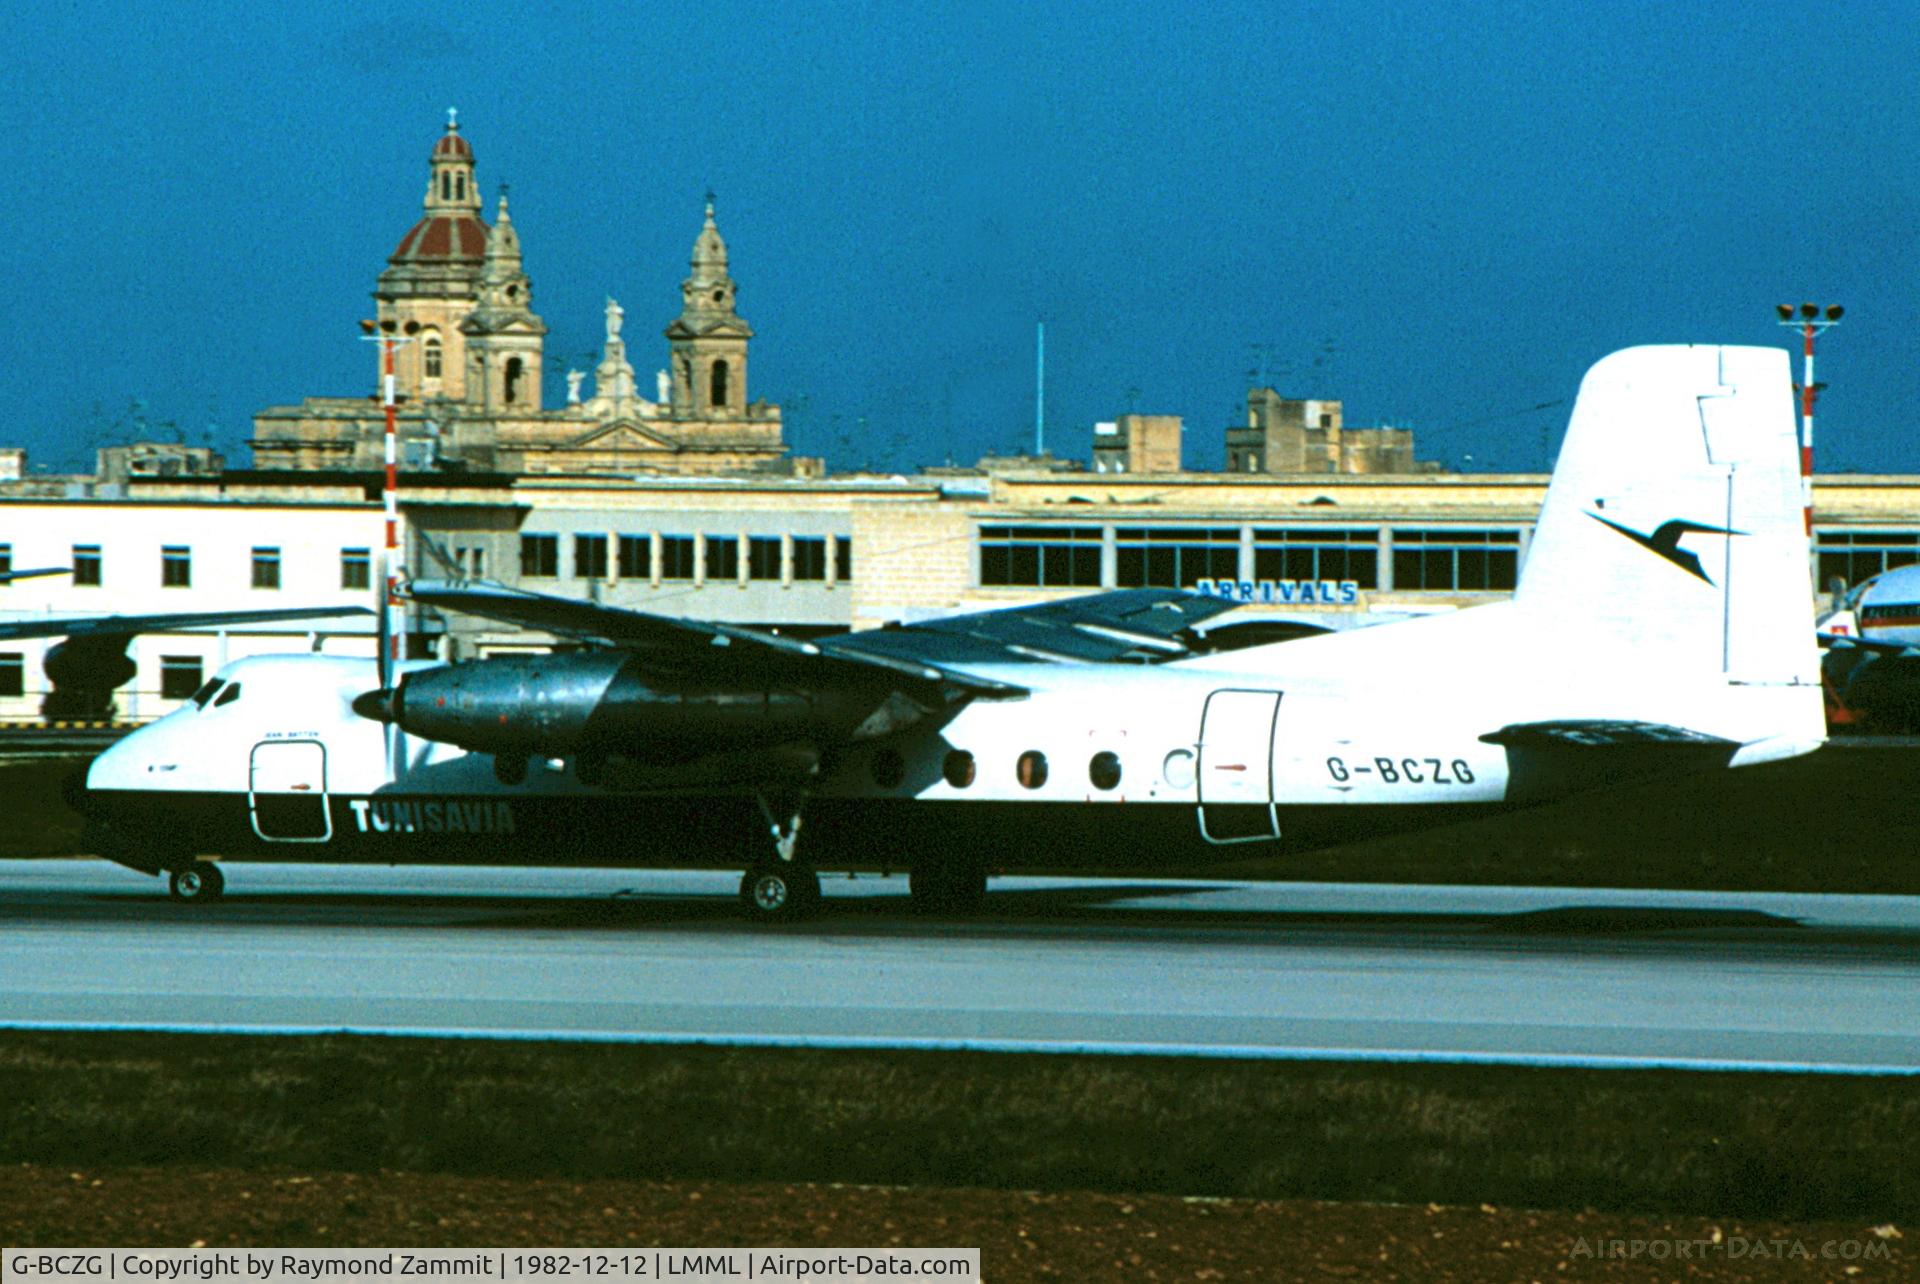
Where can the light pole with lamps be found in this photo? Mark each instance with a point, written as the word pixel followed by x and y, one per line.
pixel 1811 320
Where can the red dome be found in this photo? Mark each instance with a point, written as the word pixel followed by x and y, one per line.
pixel 452 147
pixel 444 238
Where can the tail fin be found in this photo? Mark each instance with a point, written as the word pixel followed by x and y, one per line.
pixel 1673 529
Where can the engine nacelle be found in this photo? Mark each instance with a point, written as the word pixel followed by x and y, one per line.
pixel 600 703
pixel 84 672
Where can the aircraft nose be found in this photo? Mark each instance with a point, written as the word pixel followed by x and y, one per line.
pixel 382 705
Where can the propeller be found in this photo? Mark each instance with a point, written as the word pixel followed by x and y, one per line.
pixel 383 704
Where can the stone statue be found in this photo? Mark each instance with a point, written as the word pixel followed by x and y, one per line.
pixel 574 378
pixel 615 315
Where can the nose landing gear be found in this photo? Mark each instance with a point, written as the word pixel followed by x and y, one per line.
pixel 780 888
pixel 197 883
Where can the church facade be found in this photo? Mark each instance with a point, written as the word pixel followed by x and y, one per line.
pixel 456 303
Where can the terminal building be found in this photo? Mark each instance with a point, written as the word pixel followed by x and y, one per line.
pixel 687 502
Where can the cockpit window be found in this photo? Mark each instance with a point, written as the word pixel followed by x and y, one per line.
pixel 228 696
pixel 205 693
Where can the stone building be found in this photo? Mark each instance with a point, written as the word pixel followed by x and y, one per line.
pixel 1137 444
pixel 1283 435
pixel 456 301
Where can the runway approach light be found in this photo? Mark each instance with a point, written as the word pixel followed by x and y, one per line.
pixel 1784 309
pixel 366 327
pixel 1833 313
pixel 1809 310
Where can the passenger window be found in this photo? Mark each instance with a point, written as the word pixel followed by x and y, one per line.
pixel 1104 770
pixel 228 696
pixel 205 693
pixel 958 769
pixel 1032 769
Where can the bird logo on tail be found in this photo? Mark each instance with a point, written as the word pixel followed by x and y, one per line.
pixel 1665 541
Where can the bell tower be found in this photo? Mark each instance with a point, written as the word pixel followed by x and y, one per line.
pixel 708 340
pixel 432 280
pixel 503 336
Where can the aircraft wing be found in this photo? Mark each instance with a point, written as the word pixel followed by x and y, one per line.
pixel 1128 625
pixel 101 626
pixel 669 640
pixel 1124 626
pixel 1862 644
pixel 8 577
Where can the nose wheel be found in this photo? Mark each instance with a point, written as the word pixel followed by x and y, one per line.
pixel 779 887
pixel 196 883
pixel 779 893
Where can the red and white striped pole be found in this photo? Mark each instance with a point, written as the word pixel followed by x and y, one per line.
pixel 395 568
pixel 1812 319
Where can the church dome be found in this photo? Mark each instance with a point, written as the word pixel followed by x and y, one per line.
pixel 444 238
pixel 451 233
pixel 451 146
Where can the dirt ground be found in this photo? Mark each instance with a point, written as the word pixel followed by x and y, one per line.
pixel 1023 1236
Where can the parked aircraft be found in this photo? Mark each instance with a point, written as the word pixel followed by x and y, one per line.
pixel 1872 664
pixel 1662 624
pixel 92 661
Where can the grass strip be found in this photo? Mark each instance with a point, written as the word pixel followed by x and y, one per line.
pixel 1780 1146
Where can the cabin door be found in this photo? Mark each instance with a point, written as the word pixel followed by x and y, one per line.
pixel 1236 767
pixel 288 791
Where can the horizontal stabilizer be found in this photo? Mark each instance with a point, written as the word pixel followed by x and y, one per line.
pixel 1550 760
pixel 1600 733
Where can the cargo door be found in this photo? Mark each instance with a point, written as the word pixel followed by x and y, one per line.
pixel 288 791
pixel 1236 767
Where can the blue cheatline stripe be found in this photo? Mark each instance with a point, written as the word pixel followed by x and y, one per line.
pixel 871 1043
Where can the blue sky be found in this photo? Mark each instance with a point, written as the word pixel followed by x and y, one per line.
pixel 1440 214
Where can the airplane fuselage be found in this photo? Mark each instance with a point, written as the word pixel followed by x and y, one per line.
pixel 1117 766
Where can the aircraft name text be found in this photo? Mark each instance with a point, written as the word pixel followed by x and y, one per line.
pixel 432 816
pixel 1408 771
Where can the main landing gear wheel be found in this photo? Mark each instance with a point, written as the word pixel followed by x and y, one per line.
pixel 953 886
pixel 779 893
pixel 510 769
pixel 197 883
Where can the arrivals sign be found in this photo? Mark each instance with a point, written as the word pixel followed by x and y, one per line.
pixel 1283 592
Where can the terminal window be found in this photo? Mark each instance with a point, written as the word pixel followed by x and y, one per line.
pixel 1174 556
pixel 590 557
pixel 843 558
pixel 6 561
pixel 540 555
pixel 763 557
pixel 179 676
pixel 356 568
pixel 1456 560
pixel 723 557
pixel 809 557
pixel 1046 556
pixel 266 568
pixel 676 557
pixel 636 557
pixel 1314 554
pixel 1854 555
pixel 86 565
pixel 13 673
pixel 176 570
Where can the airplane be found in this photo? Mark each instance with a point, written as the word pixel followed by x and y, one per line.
pixel 1872 662
pixel 1662 624
pixel 92 661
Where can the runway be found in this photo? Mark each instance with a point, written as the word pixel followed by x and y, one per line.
pixel 1495 975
